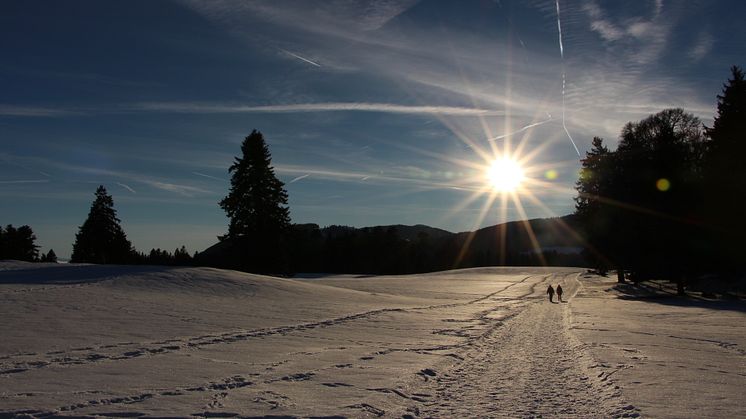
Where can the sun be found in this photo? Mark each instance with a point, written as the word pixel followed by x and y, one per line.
pixel 505 174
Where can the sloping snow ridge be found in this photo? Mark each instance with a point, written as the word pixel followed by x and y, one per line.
pixel 146 341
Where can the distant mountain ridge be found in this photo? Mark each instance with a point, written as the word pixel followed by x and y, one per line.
pixel 406 232
pixel 402 248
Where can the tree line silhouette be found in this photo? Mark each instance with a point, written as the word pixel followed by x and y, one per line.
pixel 100 239
pixel 18 243
pixel 668 202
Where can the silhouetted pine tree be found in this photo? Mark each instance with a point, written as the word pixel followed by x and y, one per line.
pixel 182 257
pixel 257 208
pixel 593 207
pixel 3 243
pixel 726 174
pixel 18 243
pixel 101 239
pixel 50 257
pixel 638 201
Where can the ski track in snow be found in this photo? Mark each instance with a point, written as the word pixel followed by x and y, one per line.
pixel 77 356
pixel 515 363
pixel 495 347
pixel 533 366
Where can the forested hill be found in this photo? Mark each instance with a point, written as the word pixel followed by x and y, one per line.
pixel 395 249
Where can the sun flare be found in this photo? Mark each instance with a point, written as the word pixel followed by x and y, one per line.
pixel 505 175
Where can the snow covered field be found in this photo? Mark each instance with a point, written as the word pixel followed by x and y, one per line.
pixel 128 341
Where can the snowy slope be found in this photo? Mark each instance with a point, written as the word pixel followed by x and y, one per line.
pixel 116 341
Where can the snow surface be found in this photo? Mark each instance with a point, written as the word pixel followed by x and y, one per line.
pixel 129 341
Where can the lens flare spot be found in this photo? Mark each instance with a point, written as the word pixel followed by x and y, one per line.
pixel 551 174
pixel 505 175
pixel 663 184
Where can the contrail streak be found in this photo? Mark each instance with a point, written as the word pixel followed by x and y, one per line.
pixel 300 58
pixel 562 56
pixel 536 124
pixel 559 30
pixel 208 176
pixel 127 187
pixel 300 177
pixel 191 107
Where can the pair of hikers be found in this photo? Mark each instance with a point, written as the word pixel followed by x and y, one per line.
pixel 550 291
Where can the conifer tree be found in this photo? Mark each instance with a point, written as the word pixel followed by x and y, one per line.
pixel 593 209
pixel 18 243
pixel 726 173
pixel 50 257
pixel 101 239
pixel 636 202
pixel 257 207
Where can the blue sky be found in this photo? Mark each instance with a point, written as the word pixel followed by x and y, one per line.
pixel 376 112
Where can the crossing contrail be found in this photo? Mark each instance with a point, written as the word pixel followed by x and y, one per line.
pixel 562 56
pixel 535 124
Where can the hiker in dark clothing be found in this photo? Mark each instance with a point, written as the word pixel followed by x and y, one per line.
pixel 559 292
pixel 550 291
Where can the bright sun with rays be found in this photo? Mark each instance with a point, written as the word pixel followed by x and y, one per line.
pixel 505 174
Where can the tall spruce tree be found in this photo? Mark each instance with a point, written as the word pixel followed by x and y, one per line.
pixel 257 207
pixel 101 239
pixel 726 175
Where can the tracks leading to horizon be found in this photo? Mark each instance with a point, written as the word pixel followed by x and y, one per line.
pixel 20 363
pixel 530 366
pixel 485 360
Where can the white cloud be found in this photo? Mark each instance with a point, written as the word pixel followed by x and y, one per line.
pixel 607 30
pixel 600 24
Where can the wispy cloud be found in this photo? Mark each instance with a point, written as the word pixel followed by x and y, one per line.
pixel 326 17
pixel 15 182
pixel 118 176
pixel 173 187
pixel 34 111
pixel 411 176
pixel 600 24
pixel 702 47
pixel 195 107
